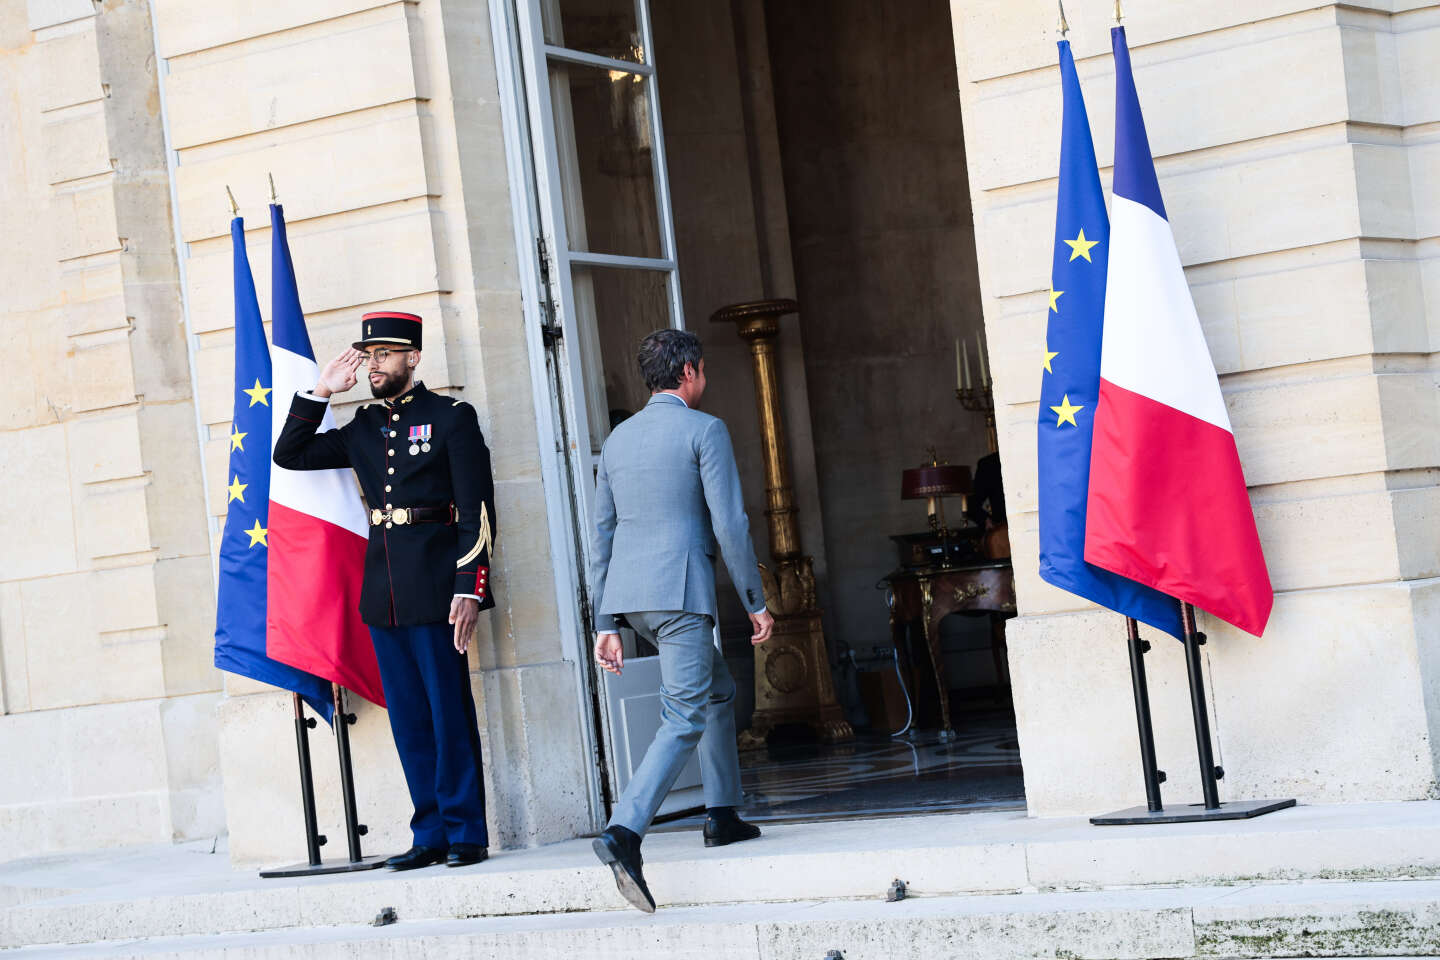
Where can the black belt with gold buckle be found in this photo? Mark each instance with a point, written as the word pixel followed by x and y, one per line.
pixel 404 516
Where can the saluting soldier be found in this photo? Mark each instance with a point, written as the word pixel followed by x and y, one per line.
pixel 425 472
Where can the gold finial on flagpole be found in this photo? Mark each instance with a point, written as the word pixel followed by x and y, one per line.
pixel 234 207
pixel 1119 16
pixel 1064 24
pixel 273 197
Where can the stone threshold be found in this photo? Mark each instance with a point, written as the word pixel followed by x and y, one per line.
pixel 179 891
pixel 1326 918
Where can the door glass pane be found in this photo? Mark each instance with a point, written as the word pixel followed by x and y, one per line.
pixel 607 176
pixel 614 310
pixel 606 27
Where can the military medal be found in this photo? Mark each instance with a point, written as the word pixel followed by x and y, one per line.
pixel 419 439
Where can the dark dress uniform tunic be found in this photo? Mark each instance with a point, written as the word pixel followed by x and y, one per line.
pixel 425 472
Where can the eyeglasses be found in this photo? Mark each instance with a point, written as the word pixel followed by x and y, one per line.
pixel 380 354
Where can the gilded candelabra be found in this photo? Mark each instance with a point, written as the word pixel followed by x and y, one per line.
pixel 979 399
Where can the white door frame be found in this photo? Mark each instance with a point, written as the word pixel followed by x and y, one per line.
pixel 564 549
pixel 554 351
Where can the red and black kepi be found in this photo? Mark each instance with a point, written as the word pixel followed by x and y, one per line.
pixel 388 326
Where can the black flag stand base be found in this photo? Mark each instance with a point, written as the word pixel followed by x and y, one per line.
pixel 1154 810
pixel 313 838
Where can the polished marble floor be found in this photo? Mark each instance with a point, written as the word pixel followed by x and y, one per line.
pixel 876 775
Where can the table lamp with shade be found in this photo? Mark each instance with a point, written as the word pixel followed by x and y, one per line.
pixel 933 482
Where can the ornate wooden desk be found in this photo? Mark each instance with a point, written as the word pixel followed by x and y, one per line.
pixel 930 594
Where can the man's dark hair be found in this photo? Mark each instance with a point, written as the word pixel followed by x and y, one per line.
pixel 663 355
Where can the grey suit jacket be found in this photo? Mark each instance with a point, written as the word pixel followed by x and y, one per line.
pixel 666 493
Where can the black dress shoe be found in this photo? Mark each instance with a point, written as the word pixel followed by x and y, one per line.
pixel 619 848
pixel 464 854
pixel 722 826
pixel 415 857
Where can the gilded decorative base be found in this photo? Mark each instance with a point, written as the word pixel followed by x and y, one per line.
pixel 793 685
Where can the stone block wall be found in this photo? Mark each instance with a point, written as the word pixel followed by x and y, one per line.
pixel 382 128
pixel 105 582
pixel 1297 152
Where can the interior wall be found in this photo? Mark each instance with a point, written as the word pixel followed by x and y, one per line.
pixel 882 241
pixel 729 210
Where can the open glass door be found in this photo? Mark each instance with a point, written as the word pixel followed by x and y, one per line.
pixel 608 261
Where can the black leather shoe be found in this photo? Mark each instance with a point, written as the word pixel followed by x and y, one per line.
pixel 619 848
pixel 415 858
pixel 722 827
pixel 464 854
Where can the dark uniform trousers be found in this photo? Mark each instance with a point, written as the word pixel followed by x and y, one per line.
pixel 420 450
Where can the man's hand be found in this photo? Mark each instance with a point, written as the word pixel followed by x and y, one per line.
pixel 339 375
pixel 762 623
pixel 464 611
pixel 608 652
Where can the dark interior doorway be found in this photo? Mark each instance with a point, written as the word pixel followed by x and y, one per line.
pixel 816 150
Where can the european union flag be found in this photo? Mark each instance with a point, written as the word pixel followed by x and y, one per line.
pixel 1070 386
pixel 244 547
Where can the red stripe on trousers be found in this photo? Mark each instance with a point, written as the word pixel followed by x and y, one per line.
pixel 312 619
pixel 1168 507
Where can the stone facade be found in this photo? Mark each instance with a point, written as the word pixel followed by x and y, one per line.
pixel 105 587
pixel 392 166
pixel 126 418
pixel 1297 154
pixel 1297 150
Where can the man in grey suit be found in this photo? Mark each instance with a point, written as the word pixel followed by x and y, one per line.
pixel 667 492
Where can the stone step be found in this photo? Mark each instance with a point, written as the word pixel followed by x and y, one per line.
pixel 184 892
pixel 1328 918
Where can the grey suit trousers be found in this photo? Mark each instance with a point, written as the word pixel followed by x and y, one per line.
pixel 697 697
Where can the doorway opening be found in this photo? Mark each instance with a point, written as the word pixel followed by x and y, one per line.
pixel 810 150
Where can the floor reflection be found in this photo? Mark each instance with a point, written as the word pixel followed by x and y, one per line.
pixel 876 775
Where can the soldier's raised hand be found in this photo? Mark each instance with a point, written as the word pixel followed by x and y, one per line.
pixel 340 374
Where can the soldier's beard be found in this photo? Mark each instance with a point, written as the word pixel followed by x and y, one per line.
pixel 392 384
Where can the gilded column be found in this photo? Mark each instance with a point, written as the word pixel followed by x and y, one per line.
pixel 792 670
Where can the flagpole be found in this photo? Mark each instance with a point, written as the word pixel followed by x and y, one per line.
pixel 1131 148
pixel 340 724
pixel 313 837
pixel 1212 808
pixel 353 830
pixel 1209 772
pixel 1153 775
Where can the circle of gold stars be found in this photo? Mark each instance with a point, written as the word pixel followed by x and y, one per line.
pixel 1079 250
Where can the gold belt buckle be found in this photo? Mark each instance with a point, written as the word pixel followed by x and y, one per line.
pixel 377 517
pixel 399 516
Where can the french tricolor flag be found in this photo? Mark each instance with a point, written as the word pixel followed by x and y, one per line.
pixel 1167 502
pixel 318 527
